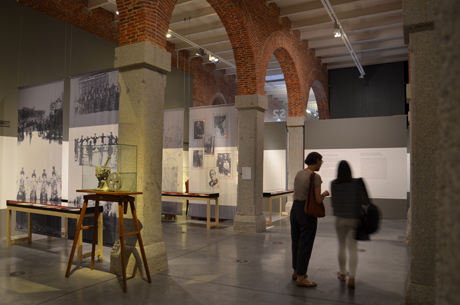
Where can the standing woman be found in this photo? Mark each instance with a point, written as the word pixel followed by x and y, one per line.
pixel 346 201
pixel 303 227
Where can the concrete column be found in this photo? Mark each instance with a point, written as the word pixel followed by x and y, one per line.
pixel 295 148
pixel 249 211
pixel 142 78
pixel 424 138
pixel 448 165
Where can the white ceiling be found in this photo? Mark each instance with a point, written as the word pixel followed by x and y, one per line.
pixel 374 28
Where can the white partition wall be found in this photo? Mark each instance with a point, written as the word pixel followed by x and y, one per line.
pixel 213 157
pixel 376 149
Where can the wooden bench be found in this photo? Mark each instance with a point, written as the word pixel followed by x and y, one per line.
pixel 274 195
pixel 196 196
pixel 51 208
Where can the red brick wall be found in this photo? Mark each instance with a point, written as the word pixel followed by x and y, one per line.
pixel 255 30
pixel 72 12
pixel 208 83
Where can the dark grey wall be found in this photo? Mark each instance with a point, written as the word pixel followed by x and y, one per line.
pixel 380 93
pixel 375 132
pixel 275 136
pixel 36 48
pixel 179 94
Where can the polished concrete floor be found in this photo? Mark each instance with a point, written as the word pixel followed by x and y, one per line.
pixel 219 266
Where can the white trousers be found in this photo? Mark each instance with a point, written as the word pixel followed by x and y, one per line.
pixel 346 232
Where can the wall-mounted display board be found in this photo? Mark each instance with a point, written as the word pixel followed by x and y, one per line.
pixel 213 157
pixel 173 155
pixel 375 148
pixel 39 152
pixel 93 122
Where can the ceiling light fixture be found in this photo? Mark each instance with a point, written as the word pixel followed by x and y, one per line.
pixel 337 32
pixel 213 58
pixel 200 52
pixel 168 35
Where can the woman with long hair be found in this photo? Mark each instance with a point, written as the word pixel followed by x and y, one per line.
pixel 303 227
pixel 346 201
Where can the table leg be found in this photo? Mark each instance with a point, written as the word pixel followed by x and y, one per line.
pixel 139 238
pixel 8 228
pixel 281 206
pixel 270 210
pixel 217 211
pixel 122 244
pixel 208 214
pixel 93 245
pixel 100 237
pixel 29 227
pixel 77 235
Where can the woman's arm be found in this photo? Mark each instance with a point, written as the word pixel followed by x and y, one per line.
pixel 318 196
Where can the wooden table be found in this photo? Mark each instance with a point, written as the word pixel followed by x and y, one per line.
pixel 274 195
pixel 123 198
pixel 196 196
pixel 52 208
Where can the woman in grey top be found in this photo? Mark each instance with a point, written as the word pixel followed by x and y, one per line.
pixel 303 227
pixel 346 201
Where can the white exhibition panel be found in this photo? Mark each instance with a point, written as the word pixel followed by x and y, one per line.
pixel 213 155
pixel 65 170
pixel 384 170
pixel 8 146
pixel 274 170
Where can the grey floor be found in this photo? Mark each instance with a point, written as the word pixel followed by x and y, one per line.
pixel 219 266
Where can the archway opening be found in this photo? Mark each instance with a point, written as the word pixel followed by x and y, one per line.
pixel 312 106
pixel 275 92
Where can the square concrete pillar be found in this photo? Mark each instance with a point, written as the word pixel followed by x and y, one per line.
pixel 295 148
pixel 249 211
pixel 424 141
pixel 448 157
pixel 142 78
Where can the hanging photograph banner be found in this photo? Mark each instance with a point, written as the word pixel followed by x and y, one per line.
pixel 173 152
pixel 39 153
pixel 93 122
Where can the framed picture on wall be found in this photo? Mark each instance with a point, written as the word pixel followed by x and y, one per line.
pixel 209 144
pixel 212 180
pixel 197 159
pixel 224 165
pixel 198 129
pixel 220 125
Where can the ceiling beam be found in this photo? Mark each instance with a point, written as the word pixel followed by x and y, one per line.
pixel 206 11
pixel 309 6
pixel 371 45
pixel 352 14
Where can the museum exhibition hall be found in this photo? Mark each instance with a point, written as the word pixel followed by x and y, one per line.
pixel 150 151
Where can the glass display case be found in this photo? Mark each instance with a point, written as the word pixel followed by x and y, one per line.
pixel 110 167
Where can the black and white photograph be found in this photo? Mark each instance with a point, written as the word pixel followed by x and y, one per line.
pixel 198 129
pixel 212 181
pixel 209 144
pixel 197 159
pixel 172 171
pixel 94 98
pixel 109 221
pixel 39 152
pixel 224 165
pixel 220 125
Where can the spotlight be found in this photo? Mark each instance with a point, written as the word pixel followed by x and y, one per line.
pixel 213 58
pixel 200 52
pixel 168 35
pixel 336 31
pixel 117 12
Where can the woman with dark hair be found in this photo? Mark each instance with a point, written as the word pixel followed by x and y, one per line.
pixel 303 227
pixel 346 202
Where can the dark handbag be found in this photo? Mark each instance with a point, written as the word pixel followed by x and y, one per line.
pixel 311 207
pixel 369 221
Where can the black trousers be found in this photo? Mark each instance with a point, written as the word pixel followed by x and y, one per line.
pixel 303 232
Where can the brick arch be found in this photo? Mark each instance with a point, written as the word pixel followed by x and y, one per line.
pixel 151 21
pixel 218 99
pixel 282 46
pixel 317 82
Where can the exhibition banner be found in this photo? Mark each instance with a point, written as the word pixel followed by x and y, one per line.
pixel 213 157
pixel 173 155
pixel 39 152
pixel 93 122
